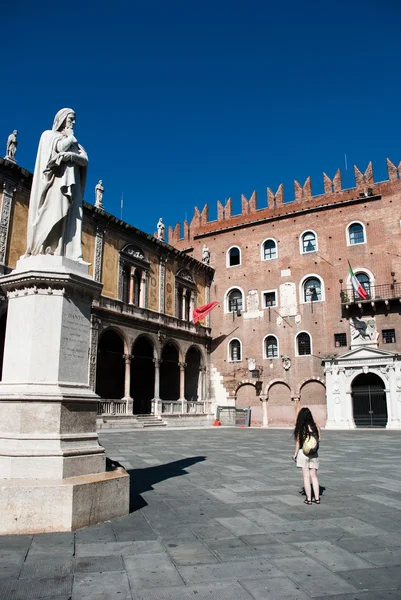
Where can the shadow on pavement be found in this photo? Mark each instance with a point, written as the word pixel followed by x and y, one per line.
pixel 142 480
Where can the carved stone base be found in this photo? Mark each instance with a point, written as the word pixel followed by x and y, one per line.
pixel 45 505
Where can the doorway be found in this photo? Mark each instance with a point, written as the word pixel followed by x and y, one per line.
pixel 369 401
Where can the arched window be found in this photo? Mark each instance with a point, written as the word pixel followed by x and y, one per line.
pixel 234 300
pixel 356 234
pixel 312 289
pixel 364 280
pixel 304 344
pixel 233 257
pixel 234 351
pixel 269 250
pixel 271 346
pixel 309 242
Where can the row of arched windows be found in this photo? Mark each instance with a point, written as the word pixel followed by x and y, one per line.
pixel 308 242
pixel 311 289
pixel 303 347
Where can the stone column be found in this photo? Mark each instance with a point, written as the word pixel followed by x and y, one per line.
pixel 182 366
pixel 131 285
pixel 191 305
pixel 94 340
pixel 200 385
pixel 184 304
pixel 8 193
pixel 265 422
pixel 127 383
pixel 142 291
pixel 97 269
pixel 393 405
pixel 156 402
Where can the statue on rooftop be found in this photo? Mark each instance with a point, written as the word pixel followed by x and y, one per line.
pixel 55 206
pixel 12 144
pixel 161 230
pixel 99 191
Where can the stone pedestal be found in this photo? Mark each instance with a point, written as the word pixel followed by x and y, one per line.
pixel 52 467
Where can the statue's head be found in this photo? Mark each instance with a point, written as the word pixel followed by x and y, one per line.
pixel 15 132
pixel 100 182
pixel 65 118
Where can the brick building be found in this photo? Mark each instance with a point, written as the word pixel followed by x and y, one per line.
pixel 289 329
pixel 146 355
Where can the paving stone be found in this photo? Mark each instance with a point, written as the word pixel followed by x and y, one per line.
pixel 99 564
pixel 41 568
pixel 51 544
pixel 35 589
pixel 240 525
pixel 122 548
pixel 15 542
pixel 190 553
pixel 356 526
pixel 278 588
pixel 212 531
pixel 386 578
pixel 383 558
pixel 209 591
pixel 313 577
pixel 333 557
pixel 153 570
pixel 101 586
pixel 360 544
pixel 98 533
pixel 230 571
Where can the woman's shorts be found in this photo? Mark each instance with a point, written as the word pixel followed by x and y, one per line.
pixel 305 461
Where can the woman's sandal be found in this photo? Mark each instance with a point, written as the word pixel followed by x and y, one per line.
pixel 306 501
pixel 317 501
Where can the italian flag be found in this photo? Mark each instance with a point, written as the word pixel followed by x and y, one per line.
pixel 358 287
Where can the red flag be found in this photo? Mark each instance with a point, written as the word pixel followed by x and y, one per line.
pixel 201 312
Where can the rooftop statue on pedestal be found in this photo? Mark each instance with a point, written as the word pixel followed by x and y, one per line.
pixel 12 144
pixel 55 206
pixel 99 191
pixel 161 230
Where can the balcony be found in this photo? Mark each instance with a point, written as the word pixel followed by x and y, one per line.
pixel 377 294
pixel 150 316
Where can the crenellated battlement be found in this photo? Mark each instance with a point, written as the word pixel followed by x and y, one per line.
pixel 276 205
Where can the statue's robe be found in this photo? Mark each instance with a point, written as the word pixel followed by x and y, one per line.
pixel 55 207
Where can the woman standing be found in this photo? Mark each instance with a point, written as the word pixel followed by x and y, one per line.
pixel 304 427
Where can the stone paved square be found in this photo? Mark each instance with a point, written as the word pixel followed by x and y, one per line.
pixel 218 513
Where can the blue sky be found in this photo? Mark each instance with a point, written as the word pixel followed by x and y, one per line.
pixel 182 103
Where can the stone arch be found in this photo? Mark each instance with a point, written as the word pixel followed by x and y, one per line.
pixel 370 401
pixel 119 332
pixel 312 394
pixel 193 365
pixel 170 371
pixel 247 394
pixel 110 364
pixel 142 374
pixel 280 405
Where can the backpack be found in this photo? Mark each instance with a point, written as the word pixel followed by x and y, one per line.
pixel 311 444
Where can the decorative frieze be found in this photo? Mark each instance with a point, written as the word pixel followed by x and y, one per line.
pixel 97 271
pixel 8 193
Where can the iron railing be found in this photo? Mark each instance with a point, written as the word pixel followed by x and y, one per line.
pixel 375 293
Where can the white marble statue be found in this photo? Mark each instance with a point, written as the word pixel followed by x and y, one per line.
pixel 99 191
pixel 12 144
pixel 205 255
pixel 55 206
pixel 161 230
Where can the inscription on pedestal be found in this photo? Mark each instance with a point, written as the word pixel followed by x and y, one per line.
pixel 74 344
